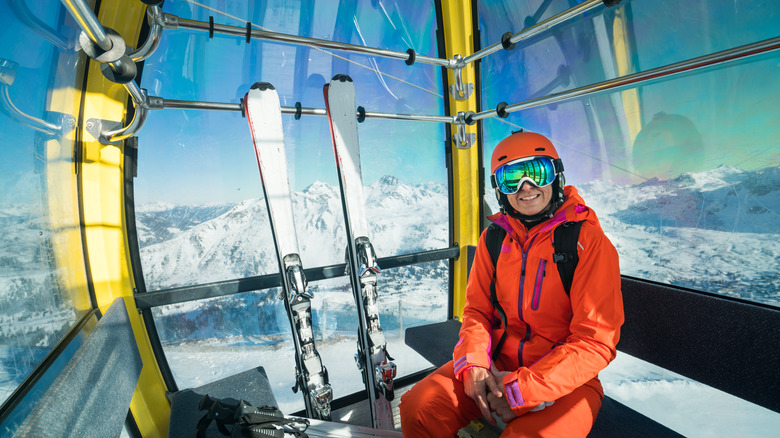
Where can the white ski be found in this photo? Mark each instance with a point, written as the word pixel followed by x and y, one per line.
pixel 372 358
pixel 264 114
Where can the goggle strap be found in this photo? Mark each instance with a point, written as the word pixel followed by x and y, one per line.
pixel 558 165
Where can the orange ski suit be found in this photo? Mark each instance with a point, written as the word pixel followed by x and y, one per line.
pixel 555 344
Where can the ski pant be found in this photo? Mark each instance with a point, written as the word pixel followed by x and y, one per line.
pixel 437 406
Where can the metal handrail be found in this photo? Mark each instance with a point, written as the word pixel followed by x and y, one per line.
pixel 148 300
pixel 534 30
pixel 160 103
pixel 155 15
pixel 635 79
pixel 88 22
pixel 249 32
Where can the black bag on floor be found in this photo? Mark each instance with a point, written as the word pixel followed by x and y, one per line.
pixel 239 419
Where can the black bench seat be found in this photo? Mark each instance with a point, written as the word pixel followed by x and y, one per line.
pixel 435 342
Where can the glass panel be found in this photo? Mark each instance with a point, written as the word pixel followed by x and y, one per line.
pixel 43 289
pixel 212 339
pixel 38 390
pixel 684 405
pixel 681 170
pixel 197 169
pixel 200 213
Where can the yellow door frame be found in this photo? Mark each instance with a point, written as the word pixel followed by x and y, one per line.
pixel 105 230
pixel 459 40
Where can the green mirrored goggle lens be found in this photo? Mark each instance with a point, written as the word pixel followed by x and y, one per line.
pixel 539 171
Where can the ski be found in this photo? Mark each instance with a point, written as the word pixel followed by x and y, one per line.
pixel 261 105
pixel 375 364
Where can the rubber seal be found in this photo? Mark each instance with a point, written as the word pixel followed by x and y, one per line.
pixel 123 74
pixel 248 32
pixel 468 118
pixel 501 110
pixel 411 58
pixel 94 51
pixel 211 26
pixel 297 111
pixel 505 43
pixel 361 114
pixel 342 78
pixel 262 86
pixel 243 108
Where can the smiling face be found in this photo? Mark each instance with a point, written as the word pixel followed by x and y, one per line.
pixel 531 200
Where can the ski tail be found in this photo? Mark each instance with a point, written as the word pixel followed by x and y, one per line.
pixel 261 105
pixel 375 364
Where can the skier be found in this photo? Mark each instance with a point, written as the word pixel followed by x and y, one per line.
pixel 542 378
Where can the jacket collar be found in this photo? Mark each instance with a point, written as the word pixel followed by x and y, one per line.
pixel 572 210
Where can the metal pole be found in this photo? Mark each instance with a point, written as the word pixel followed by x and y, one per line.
pixel 219 106
pixel 88 22
pixel 154 13
pixel 139 118
pixel 637 78
pixel 536 29
pixel 294 39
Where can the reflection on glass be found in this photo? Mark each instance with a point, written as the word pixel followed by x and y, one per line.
pixel 42 295
pixel 212 339
pixel 683 171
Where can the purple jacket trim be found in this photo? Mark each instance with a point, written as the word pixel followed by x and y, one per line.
pixel 513 395
pixel 503 222
pixel 557 219
pixel 460 363
pixel 506 248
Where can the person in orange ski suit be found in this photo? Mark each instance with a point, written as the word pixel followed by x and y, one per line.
pixel 544 380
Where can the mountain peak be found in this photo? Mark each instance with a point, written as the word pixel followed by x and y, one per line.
pixel 317 186
pixel 388 180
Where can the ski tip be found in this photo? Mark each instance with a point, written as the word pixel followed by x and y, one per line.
pixel 341 78
pixel 262 86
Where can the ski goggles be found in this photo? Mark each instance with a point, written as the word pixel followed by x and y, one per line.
pixel 539 171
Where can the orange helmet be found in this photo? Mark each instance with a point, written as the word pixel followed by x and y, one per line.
pixel 521 145
pixel 526 145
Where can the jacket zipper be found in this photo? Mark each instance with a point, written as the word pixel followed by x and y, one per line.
pixel 538 284
pixel 524 253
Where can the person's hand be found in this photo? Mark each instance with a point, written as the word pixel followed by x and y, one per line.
pixel 498 403
pixel 478 383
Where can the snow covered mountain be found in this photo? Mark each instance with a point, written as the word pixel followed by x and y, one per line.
pixel 237 243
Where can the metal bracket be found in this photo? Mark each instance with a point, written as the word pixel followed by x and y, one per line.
pixel 155 102
pixel 463 139
pixel 168 21
pixel 98 128
pixel 459 90
pixel 67 123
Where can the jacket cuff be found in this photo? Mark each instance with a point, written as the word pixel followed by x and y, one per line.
pixel 512 391
pixel 469 360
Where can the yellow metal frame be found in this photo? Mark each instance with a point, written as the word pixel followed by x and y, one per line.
pixel 630 97
pixel 102 180
pixel 458 37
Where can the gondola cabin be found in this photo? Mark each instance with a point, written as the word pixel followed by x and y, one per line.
pixel 153 252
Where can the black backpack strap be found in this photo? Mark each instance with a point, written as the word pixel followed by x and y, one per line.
pixel 565 256
pixel 494 240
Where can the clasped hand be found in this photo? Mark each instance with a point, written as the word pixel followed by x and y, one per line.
pixel 486 388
